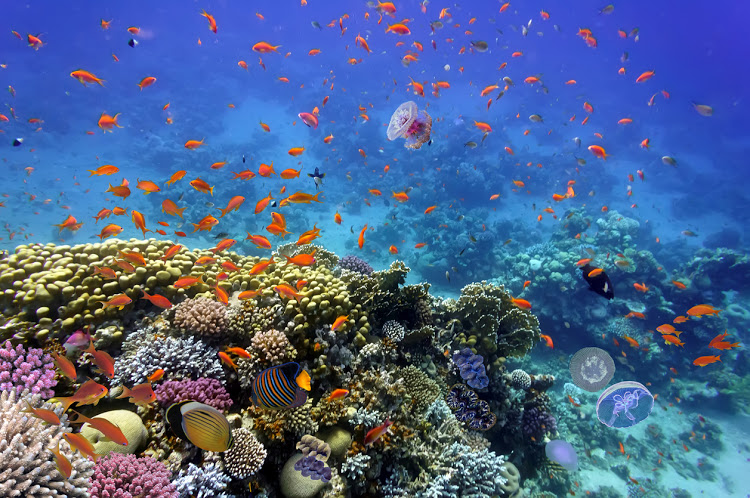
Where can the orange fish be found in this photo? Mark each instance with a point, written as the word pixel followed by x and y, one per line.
pixel 296 151
pixel 186 282
pixel 521 303
pixel 400 196
pixel 361 238
pixel 631 341
pixel 680 319
pixel 548 340
pixel 702 361
pixel 483 126
pixel 119 301
pixel 341 320
pixel 375 433
pixel 142 394
pixel 645 76
pixel 673 340
pixel 211 20
pixel 420 245
pixel 337 218
pixel 598 151
pixel 147 81
pixel 86 77
pixel 107 122
pixel 156 376
pixel 157 300
pixel 89 393
pixel 679 285
pixel 260 241
pixel 265 48
pixel 110 431
pixel 176 177
pixel 301 259
pixel 286 291
pixel 194 144
pixel 65 366
pixel 80 443
pixel 61 462
pixel 703 309
pixel 640 287
pixel 261 266
pixel 233 205
pixel 249 294
pixel 42 414
pixel 338 394
pixel 393 250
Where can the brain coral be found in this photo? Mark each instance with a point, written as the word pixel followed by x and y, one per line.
pixel 201 315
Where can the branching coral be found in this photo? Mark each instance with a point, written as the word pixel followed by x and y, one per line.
pixel 201 316
pixel 246 456
pixel 208 481
pixel 272 346
pixel 203 390
pixel 178 357
pixel 126 476
pixel 26 369
pixel 27 468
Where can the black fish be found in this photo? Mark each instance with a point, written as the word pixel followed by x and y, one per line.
pixel 133 42
pixel 601 284
pixel 17 142
pixel 243 158
pixel 317 178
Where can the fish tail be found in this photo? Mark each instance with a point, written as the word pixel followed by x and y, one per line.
pixel 125 393
pixel 65 401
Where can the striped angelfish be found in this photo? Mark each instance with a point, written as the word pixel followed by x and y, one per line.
pixel 282 386
pixel 201 424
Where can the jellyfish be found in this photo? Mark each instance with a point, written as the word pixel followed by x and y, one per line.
pixel 411 124
pixel 563 453
pixel 592 369
pixel 624 405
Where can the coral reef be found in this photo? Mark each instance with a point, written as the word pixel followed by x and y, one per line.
pixel 26 369
pixel 272 346
pixel 208 481
pixel 355 264
pixel 27 467
pixel 471 368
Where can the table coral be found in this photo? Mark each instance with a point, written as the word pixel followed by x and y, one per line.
pixel 27 467
pixel 26 369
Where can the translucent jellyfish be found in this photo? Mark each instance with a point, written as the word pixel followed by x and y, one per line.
pixel 411 124
pixel 624 405
pixel 592 369
pixel 563 453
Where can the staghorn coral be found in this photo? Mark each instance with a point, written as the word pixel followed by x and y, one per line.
pixel 208 481
pixel 179 357
pixel 422 390
pixel 203 390
pixel 26 369
pixel 272 346
pixel 127 476
pixel 246 456
pixel 27 468
pixel 201 316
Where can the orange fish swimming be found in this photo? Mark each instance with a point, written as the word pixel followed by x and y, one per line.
pixel 702 361
pixel 89 393
pixel 142 394
pixel 265 48
pixel 703 309
pixel 107 122
pixel 338 394
pixel 86 77
pixel 361 238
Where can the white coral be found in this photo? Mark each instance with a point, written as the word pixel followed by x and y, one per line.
pixel 27 466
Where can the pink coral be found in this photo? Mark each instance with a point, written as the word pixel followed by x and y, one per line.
pixel 204 390
pixel 30 369
pixel 271 345
pixel 127 476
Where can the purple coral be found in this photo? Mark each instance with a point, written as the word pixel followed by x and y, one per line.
pixel 313 468
pixel 127 476
pixel 537 422
pixel 353 263
pixel 471 367
pixel 203 390
pixel 30 369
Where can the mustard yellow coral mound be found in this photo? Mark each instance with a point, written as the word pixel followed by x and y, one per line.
pixel 63 287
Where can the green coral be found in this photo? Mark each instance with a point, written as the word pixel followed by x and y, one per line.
pixel 491 322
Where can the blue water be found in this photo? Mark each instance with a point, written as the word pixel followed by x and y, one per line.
pixel 696 49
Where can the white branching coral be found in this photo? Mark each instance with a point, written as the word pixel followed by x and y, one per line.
pixel 27 466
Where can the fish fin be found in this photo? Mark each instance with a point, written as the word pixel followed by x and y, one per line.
pixel 303 380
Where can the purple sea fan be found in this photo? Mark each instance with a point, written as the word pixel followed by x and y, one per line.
pixel 30 369
pixel 203 390
pixel 127 476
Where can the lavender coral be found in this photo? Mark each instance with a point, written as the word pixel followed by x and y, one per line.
pixel 355 264
pixel 201 315
pixel 27 467
pixel 208 481
pixel 30 369
pixel 126 476
pixel 204 390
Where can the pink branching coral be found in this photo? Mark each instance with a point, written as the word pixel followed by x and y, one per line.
pixel 270 345
pixel 30 369
pixel 204 390
pixel 127 476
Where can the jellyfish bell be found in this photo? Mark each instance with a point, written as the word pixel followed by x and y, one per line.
pixel 411 124
pixel 592 369
pixel 624 404
pixel 563 453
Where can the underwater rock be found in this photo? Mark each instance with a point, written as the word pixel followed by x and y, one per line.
pixel 131 426
pixel 338 438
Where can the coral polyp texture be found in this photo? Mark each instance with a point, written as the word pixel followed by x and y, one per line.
pixel 127 476
pixel 26 369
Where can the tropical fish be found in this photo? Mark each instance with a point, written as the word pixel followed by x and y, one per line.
pixel 599 283
pixel 281 386
pixel 65 365
pixel 338 394
pixel 61 462
pixel 376 432
pixel 110 430
pixel 201 424
pixel 89 393
pixel 102 359
pixel 42 413
pixel 702 361
pixel 81 444
pixel 702 309
pixel 142 394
